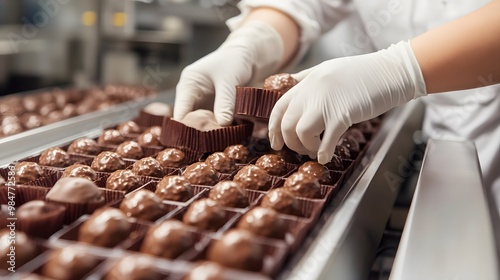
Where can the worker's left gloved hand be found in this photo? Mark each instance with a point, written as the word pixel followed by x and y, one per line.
pixel 335 94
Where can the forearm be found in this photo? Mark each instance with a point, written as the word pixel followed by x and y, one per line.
pixel 462 54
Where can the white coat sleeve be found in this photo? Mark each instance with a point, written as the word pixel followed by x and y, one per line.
pixel 314 17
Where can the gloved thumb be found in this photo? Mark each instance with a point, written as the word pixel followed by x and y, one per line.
pixel 225 99
pixel 185 98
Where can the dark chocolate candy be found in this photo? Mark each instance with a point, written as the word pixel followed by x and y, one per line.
pixel 106 227
pixel 282 201
pixel 253 177
pixel 272 164
pixel 263 221
pixel 123 180
pixel 56 157
pixel 27 172
pixel 84 146
pixel 221 162
pixel 238 153
pixel 69 263
pixel 107 162
pixel 171 157
pixel 176 188
pixel 205 214
pixel 168 240
pixel 130 149
pixel 229 194
pixel 317 170
pixel 200 173
pixel 80 170
pixel 143 204
pixel 303 185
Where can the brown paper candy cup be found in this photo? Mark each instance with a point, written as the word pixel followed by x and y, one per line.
pixel 147 120
pixel 21 194
pixel 43 225
pixel 255 102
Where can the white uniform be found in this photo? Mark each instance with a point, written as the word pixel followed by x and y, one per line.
pixel 465 115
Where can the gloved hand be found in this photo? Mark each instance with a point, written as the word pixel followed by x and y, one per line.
pixel 249 53
pixel 335 94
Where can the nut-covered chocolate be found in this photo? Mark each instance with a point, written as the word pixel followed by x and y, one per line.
pixel 110 137
pixel 342 152
pixel 34 209
pixel 143 204
pixel 148 167
pixel 106 227
pixel 150 137
pixel 134 267
pixel 282 201
pixel 25 249
pixel 280 82
pixel 350 143
pixel 75 190
pixel 80 170
pixel 205 214
pixel 107 162
pixel 27 171
pixel 176 188
pixel 128 127
pixel 130 149
pixel 253 177
pixel 206 271
pixel 237 249
pixel 264 222
pixel 171 157
pixel 272 164
pixel 84 146
pixel 229 194
pixel 55 157
pixel 221 162
pixel 168 240
pixel 335 164
pixel 69 263
pixel 238 153
pixel 317 170
pixel 30 121
pixel 303 185
pixel 200 173
pixel 123 180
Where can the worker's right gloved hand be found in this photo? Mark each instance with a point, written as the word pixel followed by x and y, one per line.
pixel 250 53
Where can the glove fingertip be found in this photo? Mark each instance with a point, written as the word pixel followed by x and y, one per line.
pixel 277 141
pixel 324 157
pixel 224 119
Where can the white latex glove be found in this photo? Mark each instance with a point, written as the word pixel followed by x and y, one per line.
pixel 249 53
pixel 335 94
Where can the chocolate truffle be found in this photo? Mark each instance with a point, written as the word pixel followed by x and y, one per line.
pixel 27 171
pixel 203 120
pixel 128 127
pixel 69 263
pixel 110 137
pixel 317 170
pixel 53 117
pixel 56 157
pixel 272 164
pixel 206 214
pixel 30 121
pixel 75 190
pixel 171 157
pixel 143 204
pixel 148 167
pixel 11 128
pixel 200 173
pixel 221 162
pixel 264 222
pixel 158 109
pixel 33 209
pixel 155 130
pixel 229 194
pixel 253 177
pixel 106 227
pixel 280 82
pixel 85 146
pixel 80 170
pixel 168 240
pixel 282 201
pixel 206 271
pixel 123 180
pixel 356 134
pixel 69 111
pixel 238 153
pixel 45 109
pixel 335 164
pixel 351 144
pixel 134 267
pixel 342 152
pixel 25 249
pixel 303 185
pixel 175 188
pixel 31 103
pixel 245 253
pixel 107 162
pixel 289 155
pixel 130 149
pixel 149 139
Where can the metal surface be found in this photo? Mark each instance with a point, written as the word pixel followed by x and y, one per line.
pixel 36 140
pixel 343 244
pixel 449 232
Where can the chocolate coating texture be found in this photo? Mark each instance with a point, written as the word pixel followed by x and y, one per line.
pixel 237 249
pixel 148 167
pixel 30 121
pixel 107 162
pixel 26 249
pixel 128 127
pixel 206 271
pixel 171 157
pixel 34 209
pixel 238 153
pixel 143 204
pixel 123 180
pixel 282 201
pixel 356 134
pixel 303 185
pixel 176 188
pixel 130 149
pixel 351 144
pixel 342 152
pixel 253 177
pixel 168 240
pixel 281 82
pixel 110 137
pixel 84 146
pixel 148 139
pixel 200 173
pixel 27 172
pixel 106 227
pixel 229 194
pixel 75 190
pixel 272 164
pixel 81 171
pixel 317 170
pixel 263 221
pixel 56 157
pixel 134 267
pixel 69 263
pixel 335 164
pixel 221 162
pixel 205 214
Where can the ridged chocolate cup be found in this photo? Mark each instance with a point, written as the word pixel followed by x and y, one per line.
pixel 23 194
pixel 255 102
pixel 146 120
pixel 178 135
